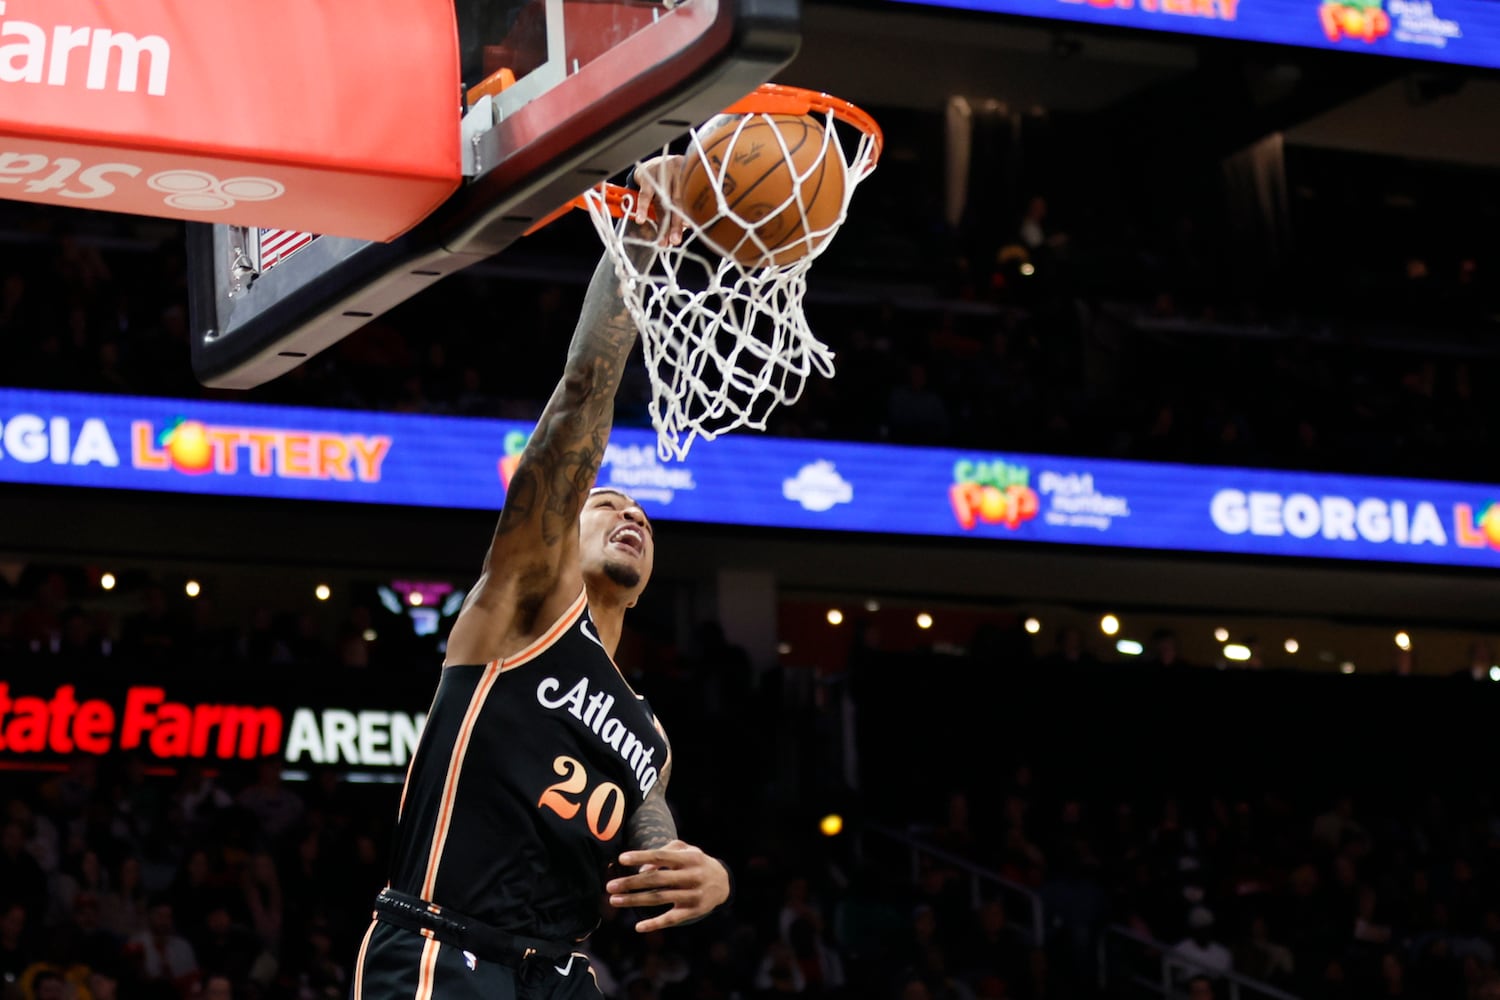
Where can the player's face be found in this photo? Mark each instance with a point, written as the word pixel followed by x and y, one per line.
pixel 616 541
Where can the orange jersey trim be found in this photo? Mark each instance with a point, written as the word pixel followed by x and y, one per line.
pixel 492 671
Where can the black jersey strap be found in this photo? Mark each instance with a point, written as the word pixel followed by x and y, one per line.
pixel 483 940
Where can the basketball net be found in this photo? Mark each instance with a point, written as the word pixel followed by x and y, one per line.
pixel 726 342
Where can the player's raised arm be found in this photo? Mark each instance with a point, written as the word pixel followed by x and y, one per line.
pixel 531 572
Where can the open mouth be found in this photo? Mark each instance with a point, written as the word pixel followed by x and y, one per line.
pixel 631 538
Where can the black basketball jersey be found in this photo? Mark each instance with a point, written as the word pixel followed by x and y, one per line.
pixel 519 792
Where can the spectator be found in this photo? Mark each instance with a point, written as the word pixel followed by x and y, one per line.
pixel 1199 951
pixel 275 807
pixel 163 956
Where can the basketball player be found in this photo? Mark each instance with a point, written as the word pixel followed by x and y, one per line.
pixel 538 763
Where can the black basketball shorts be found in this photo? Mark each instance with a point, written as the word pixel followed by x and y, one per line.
pixel 398 964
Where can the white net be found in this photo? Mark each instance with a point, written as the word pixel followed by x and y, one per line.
pixel 720 315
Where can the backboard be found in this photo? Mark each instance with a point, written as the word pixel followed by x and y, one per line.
pixel 558 95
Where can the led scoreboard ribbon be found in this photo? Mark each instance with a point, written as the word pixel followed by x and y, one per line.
pixel 228 449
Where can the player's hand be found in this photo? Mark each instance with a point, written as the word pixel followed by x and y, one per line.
pixel 678 875
pixel 660 183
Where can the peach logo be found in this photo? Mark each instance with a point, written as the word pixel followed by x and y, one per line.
pixel 1476 532
pixel 992 491
pixel 1365 20
pixel 186 444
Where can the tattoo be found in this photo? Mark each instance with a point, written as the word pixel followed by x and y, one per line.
pixel 563 456
pixel 652 824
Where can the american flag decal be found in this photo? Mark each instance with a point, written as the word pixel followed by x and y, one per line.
pixel 276 245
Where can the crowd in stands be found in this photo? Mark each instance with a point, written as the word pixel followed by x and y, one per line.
pixel 120 877
pixel 1063 326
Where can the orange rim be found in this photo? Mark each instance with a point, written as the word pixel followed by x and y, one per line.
pixel 767 99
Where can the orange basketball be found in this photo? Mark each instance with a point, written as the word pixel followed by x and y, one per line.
pixel 765 174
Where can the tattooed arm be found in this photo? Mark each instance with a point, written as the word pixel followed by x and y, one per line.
pixel 531 573
pixel 672 873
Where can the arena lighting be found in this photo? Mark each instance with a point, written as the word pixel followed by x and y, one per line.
pixel 1234 651
pixel 831 825
pixel 835 616
pixel 1403 641
pixel 1109 624
pixel 1495 673
pixel 783 649
pixel 1129 647
pixel 192 588
pixel 1028 269
pixel 1347 667
pixel 415 597
pixel 107 581
pixel 1221 634
pixel 321 592
pixel 1290 645
pixel 924 620
pixel 1033 626
pixel 368 635
pixel 872 605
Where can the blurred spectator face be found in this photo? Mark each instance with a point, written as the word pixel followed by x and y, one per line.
pixel 102 986
pixel 14 922
pixel 924 922
pixel 916 990
pixel 1200 989
pixel 48 986
pixel 159 919
pixel 218 921
pixel 992 917
pixel 86 912
pixel 197 866
pixel 217 988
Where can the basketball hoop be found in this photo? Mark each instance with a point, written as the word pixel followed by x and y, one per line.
pixel 721 319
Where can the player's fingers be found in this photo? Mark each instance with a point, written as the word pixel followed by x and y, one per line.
pixel 658 897
pixel 676 915
pixel 670 854
pixel 655 879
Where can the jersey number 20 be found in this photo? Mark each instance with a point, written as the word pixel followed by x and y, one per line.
pixel 606 794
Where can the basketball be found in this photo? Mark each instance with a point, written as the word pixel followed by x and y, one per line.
pixel 778 185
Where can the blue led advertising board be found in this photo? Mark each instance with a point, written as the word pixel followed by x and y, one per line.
pixel 228 449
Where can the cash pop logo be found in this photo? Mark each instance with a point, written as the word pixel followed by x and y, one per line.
pixel 992 491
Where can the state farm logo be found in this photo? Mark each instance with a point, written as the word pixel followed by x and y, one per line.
pixel 148 721
pixel 185 190
pixel 196 191
pixel 26 57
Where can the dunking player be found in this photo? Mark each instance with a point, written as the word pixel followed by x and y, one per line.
pixel 538 763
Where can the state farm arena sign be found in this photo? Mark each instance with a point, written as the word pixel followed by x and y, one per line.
pixel 171 727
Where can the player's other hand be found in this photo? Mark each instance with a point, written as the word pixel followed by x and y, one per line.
pixel 660 183
pixel 678 875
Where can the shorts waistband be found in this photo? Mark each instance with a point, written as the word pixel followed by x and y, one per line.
pixel 450 927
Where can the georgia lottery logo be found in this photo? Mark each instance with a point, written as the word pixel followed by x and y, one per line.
pixel 195 448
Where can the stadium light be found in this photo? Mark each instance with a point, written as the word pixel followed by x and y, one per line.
pixel 1033 626
pixel 107 581
pixel 1235 651
pixel 835 616
pixel 1109 624
pixel 192 588
pixel 924 620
